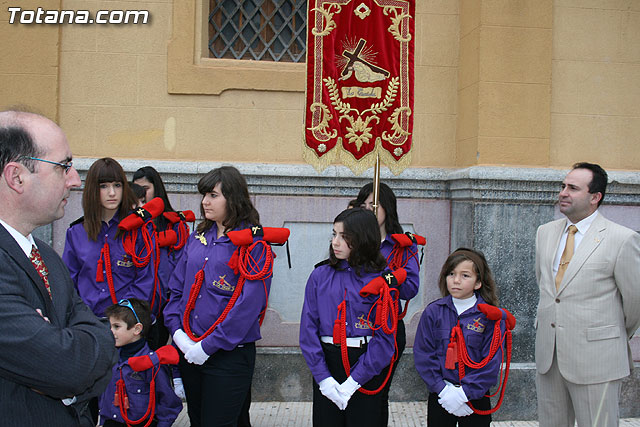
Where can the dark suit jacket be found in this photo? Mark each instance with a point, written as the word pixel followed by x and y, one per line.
pixel 71 356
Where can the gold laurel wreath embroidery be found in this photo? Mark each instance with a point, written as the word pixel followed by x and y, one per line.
pixel 396 21
pixel 359 129
pixel 390 96
pixel 329 23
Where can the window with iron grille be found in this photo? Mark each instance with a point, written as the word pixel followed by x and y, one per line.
pixel 263 30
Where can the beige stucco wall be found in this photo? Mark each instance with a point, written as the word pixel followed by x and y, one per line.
pixel 29 61
pixel 528 82
pixel 595 112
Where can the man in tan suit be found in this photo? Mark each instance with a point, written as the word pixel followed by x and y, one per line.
pixel 589 306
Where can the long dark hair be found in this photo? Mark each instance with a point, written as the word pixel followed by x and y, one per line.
pixel 104 170
pixel 159 190
pixel 488 291
pixel 362 234
pixel 240 210
pixel 388 202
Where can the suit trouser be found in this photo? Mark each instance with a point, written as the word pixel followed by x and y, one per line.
pixel 363 410
pixel 217 389
pixel 561 402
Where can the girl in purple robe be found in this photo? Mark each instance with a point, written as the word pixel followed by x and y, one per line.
pixel 214 325
pixel 101 267
pixel 333 292
pixel 390 225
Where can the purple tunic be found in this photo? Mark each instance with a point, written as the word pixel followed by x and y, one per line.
pixel 326 289
pixel 242 322
pixel 81 256
pixel 409 288
pixel 168 405
pixel 432 338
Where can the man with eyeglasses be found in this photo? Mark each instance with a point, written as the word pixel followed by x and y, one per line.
pixel 55 353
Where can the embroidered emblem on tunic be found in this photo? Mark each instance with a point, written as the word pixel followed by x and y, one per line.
pixel 476 326
pixel 124 262
pixel 135 376
pixel 222 284
pixel 362 323
pixel 202 239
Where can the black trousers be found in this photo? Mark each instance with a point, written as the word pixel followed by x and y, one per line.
pixel 110 423
pixel 216 390
pixel 401 341
pixel 437 416
pixel 363 410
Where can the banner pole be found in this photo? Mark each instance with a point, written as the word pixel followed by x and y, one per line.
pixel 376 185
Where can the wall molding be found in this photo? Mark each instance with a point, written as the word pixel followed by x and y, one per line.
pixel 474 184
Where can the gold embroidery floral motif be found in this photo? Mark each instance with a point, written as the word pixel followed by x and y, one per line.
pixel 396 22
pixel 359 131
pixel 321 131
pixel 396 127
pixel 327 15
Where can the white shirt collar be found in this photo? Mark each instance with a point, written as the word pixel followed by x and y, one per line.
pixel 25 243
pixel 463 305
pixel 582 225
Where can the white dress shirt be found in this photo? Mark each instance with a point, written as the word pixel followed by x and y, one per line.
pixel 583 227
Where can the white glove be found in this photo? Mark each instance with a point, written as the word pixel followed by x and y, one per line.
pixel 183 341
pixel 348 387
pixel 196 355
pixel 463 411
pixel 329 389
pixel 451 397
pixel 178 388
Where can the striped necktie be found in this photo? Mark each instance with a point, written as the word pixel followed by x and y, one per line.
pixel 567 254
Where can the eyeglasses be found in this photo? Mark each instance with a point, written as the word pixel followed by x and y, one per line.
pixel 67 166
pixel 127 303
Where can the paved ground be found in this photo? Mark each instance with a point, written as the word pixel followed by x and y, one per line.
pixel 401 414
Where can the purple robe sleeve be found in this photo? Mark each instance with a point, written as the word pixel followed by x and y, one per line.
pixel 310 332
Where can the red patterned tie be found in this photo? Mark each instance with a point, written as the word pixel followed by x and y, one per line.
pixel 37 262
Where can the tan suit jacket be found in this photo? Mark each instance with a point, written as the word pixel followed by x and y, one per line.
pixel 596 310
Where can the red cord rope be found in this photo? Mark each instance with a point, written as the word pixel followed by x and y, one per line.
pixel 105 262
pixel 387 309
pixel 183 235
pixel 249 270
pixel 396 260
pixel 122 400
pixel 496 344
pixel 150 250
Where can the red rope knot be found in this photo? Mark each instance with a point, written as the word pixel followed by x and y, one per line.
pixel 180 218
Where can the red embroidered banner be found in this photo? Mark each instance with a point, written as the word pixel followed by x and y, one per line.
pixel 359 83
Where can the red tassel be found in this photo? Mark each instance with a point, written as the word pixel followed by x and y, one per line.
pixel 452 356
pixel 116 399
pixel 99 273
pixel 336 331
pixel 233 262
pixel 126 402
